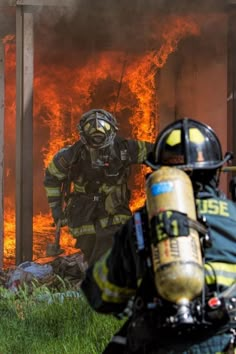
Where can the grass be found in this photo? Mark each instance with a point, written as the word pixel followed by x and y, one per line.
pixel 45 322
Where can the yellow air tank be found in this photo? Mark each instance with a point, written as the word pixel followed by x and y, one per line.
pixel 177 261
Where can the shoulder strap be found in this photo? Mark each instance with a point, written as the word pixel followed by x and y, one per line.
pixel 75 157
pixel 77 146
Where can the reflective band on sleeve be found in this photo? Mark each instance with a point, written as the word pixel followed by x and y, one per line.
pixel 118 219
pixel 78 188
pixel 82 230
pixel 54 204
pixel 221 273
pixel 110 292
pixel 53 192
pixel 142 151
pixel 53 170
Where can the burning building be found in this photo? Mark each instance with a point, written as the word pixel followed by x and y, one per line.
pixel 148 61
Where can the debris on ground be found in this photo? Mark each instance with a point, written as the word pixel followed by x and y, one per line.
pixel 64 270
pixel 26 272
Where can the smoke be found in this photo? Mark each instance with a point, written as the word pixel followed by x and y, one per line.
pixel 69 35
pixel 89 26
pixel 7 21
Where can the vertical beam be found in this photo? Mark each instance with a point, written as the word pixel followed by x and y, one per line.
pixel 24 134
pixel 231 96
pixel 231 89
pixel 1 152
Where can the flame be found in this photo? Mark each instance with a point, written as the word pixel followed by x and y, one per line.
pixel 43 227
pixel 143 82
pixel 126 82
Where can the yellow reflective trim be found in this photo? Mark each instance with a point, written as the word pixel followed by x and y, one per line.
pixel 142 151
pixel 104 222
pixel 82 230
pixel 220 273
pixel 196 136
pixel 104 188
pixel 86 127
pixel 220 266
pixel 105 124
pixel 227 352
pixel 117 219
pixel 79 188
pixel 53 191
pixel 110 292
pixel 120 219
pixel 174 138
pixel 99 127
pixel 53 204
pixel 220 281
pixel 53 170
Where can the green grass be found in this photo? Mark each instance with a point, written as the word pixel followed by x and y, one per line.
pixel 45 323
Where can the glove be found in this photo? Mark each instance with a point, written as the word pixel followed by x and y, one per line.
pixel 58 214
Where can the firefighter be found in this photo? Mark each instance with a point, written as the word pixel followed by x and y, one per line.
pixel 149 264
pixel 95 170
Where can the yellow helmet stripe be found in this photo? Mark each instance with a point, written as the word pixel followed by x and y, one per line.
pixel 195 136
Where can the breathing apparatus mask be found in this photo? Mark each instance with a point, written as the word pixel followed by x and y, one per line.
pixel 97 129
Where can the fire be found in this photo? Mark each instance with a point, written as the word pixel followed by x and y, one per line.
pixel 143 82
pixel 125 84
pixel 43 227
pixel 9 232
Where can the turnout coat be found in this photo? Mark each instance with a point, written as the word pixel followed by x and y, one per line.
pixel 121 276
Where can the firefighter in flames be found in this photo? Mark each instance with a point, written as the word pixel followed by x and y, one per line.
pixel 171 270
pixel 95 171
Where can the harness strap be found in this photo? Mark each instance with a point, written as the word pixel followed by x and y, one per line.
pixel 198 226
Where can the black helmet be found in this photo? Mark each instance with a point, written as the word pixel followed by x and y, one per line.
pixel 97 128
pixel 189 145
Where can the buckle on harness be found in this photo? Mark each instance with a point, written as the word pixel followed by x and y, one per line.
pixel 214 302
pixel 96 198
pixel 221 309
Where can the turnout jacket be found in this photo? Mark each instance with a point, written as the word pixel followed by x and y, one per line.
pixel 113 280
pixel 99 190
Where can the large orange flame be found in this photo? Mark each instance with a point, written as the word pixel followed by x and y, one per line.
pixel 62 93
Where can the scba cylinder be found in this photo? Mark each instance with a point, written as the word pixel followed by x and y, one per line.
pixel 177 259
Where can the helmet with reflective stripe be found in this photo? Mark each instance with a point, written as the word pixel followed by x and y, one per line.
pixel 189 145
pixel 97 128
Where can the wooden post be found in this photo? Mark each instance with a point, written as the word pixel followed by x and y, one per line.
pixel 1 153
pixel 24 134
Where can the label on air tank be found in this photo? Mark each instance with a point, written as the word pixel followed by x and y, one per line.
pixel 160 188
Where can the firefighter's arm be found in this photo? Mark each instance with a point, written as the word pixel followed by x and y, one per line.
pixel 111 281
pixel 55 177
pixel 139 150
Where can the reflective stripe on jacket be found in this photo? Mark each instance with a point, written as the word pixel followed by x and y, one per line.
pixel 220 258
pixel 106 184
